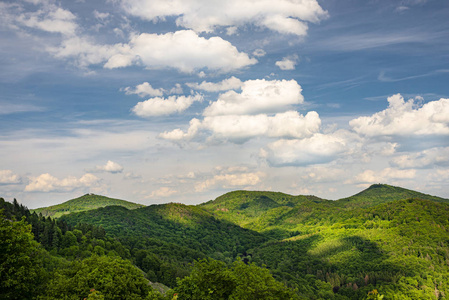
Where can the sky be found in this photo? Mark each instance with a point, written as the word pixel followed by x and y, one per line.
pixel 162 101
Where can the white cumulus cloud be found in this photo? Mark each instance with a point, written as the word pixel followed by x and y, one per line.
pixel 177 89
pixel 165 106
pixel 287 63
pixel 424 159
pixel 110 167
pixel 232 177
pixel 8 177
pixel 48 183
pixel 317 149
pixel 85 52
pixel 257 96
pixel 231 83
pixel 179 135
pixel 290 124
pixel 182 50
pixel 50 18
pixel 143 90
pixel 283 16
pixel 240 128
pixel 262 108
pixel 162 192
pixel 404 118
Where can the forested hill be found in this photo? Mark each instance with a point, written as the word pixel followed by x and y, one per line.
pixel 83 203
pixel 259 210
pixel 179 224
pixel 279 213
pixel 177 233
pixel 382 193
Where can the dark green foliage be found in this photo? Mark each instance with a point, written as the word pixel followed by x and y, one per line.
pixel 26 267
pixel 86 202
pixel 21 269
pixel 176 234
pixel 114 278
pixel 399 247
pixel 211 279
pixel 262 211
pixel 76 242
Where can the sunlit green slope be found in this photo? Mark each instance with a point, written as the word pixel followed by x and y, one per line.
pixel 83 203
pixel 258 210
pixel 399 248
pixel 278 213
pixel 382 193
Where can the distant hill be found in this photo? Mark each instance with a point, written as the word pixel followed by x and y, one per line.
pixel 272 211
pixel 383 193
pixel 263 200
pixel 83 203
pixel 258 210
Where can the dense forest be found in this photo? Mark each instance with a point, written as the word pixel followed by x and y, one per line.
pixel 385 242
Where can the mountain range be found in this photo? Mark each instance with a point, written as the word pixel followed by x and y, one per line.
pixel 385 238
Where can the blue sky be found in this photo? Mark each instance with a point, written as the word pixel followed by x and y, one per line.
pixel 161 101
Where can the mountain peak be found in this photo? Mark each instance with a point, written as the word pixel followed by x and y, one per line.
pixel 382 193
pixel 86 202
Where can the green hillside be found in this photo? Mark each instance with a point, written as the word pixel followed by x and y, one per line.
pixel 279 213
pixel 83 203
pixel 257 210
pixel 239 199
pixel 399 248
pixel 384 237
pixel 382 193
pixel 177 234
pixel 187 226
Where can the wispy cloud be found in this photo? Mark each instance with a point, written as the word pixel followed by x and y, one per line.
pixel 383 77
pixel 9 108
pixel 364 41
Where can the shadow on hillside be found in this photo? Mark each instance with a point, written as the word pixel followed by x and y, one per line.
pixel 348 262
pixel 176 224
pixel 278 234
